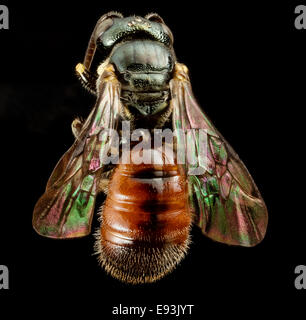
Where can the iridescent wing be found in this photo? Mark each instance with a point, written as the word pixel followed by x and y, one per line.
pixel 227 203
pixel 66 208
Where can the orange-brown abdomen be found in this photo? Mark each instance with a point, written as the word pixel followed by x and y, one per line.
pixel 145 222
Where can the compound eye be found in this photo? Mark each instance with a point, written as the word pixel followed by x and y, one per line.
pixel 114 14
pixel 103 26
pixel 106 21
pixel 155 18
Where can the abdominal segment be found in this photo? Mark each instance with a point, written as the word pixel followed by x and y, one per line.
pixel 145 222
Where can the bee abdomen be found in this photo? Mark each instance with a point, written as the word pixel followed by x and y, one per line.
pixel 145 222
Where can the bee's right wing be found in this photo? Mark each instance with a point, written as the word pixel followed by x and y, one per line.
pixel 228 205
pixel 65 209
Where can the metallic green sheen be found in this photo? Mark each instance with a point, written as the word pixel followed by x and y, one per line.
pixel 65 210
pixel 225 198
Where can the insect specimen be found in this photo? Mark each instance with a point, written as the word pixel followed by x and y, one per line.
pixel 149 208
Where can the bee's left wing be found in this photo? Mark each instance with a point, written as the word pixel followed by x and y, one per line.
pixel 65 209
pixel 223 194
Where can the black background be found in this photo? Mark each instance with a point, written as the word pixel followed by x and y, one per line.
pixel 247 66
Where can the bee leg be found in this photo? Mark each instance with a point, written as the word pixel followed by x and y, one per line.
pixel 76 127
pixel 103 185
pixel 87 78
pixel 104 181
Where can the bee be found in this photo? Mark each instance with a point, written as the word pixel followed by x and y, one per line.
pixel 149 208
